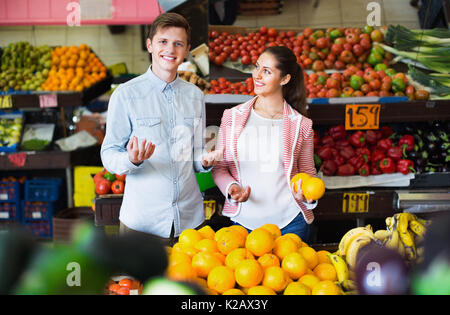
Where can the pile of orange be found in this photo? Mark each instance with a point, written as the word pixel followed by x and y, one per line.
pixel 74 69
pixel 125 286
pixel 233 261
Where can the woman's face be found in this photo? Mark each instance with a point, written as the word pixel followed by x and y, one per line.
pixel 266 77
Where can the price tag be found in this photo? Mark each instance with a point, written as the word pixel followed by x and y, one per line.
pixel 362 116
pixel 36 215
pixel 3 196
pixel 355 203
pixel 48 100
pixel 4 215
pixel 5 101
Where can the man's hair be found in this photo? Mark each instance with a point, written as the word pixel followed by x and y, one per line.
pixel 169 19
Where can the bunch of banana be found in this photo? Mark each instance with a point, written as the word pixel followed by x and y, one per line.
pixel 353 241
pixel 404 231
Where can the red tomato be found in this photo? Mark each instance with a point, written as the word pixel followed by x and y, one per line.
pixel 118 187
pixel 123 291
pixel 219 60
pixel 272 32
pixel 121 177
pixel 103 186
pixel 245 60
pixel 332 83
pixel 263 29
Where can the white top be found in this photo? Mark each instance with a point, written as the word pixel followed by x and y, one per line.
pixel 260 152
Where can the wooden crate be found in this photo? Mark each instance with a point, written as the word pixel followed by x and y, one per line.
pixel 107 210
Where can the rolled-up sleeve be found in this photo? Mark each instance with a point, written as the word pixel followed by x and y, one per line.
pixel 113 152
pixel 199 141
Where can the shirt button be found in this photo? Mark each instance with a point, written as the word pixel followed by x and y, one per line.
pixel 174 181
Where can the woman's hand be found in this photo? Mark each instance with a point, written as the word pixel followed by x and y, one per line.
pixel 299 194
pixel 139 153
pixel 238 193
pixel 212 158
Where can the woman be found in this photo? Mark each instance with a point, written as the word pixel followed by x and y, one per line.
pixel 266 141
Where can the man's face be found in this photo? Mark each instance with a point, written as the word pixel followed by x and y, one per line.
pixel 169 48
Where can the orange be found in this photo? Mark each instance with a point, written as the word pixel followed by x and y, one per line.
pixel 297 288
pixel 204 262
pixel 302 176
pixel 325 271
pixel 236 256
pixel 220 232
pixel 275 278
pixel 313 188
pixel 207 232
pixel 114 287
pixel 326 287
pixel 190 237
pixel 295 265
pixel 323 258
pixel 179 257
pixel 248 273
pixel 221 279
pixel 269 260
pixel 310 256
pixel 284 245
pixel 261 290
pixel 273 229
pixel 309 280
pixel 259 242
pixel 229 240
pixel 220 256
pixel 206 245
pixel 182 272
pixel 233 292
pixel 185 248
pixel 240 229
pixel 295 238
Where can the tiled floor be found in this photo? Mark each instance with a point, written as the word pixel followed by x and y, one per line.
pixel 335 13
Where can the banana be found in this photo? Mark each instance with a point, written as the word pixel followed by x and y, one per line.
pixel 354 247
pixel 348 285
pixel 408 240
pixel 401 249
pixel 417 227
pixel 369 227
pixel 348 238
pixel 390 223
pixel 381 234
pixel 424 222
pixel 392 240
pixel 340 265
pixel 403 221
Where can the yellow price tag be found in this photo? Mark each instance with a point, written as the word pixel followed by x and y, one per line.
pixel 355 203
pixel 362 116
pixel 5 101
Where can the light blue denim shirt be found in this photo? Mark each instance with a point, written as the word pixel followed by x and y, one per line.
pixel 163 189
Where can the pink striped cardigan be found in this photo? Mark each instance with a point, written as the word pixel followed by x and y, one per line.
pixel 298 150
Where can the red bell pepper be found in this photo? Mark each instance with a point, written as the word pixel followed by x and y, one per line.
pixel 347 152
pixel 384 144
pixel 358 139
pixel 377 155
pixel 371 137
pixel 327 140
pixel 325 153
pixel 341 143
pixel 338 132
pixel 386 131
pixel 394 153
pixel 339 160
pixel 407 143
pixel 346 170
pixel 316 138
pixel 364 170
pixel 356 161
pixel 364 153
pixel 375 170
pixel 387 166
pixel 328 167
pixel 405 166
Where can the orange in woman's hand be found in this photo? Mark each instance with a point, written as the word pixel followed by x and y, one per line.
pixel 313 188
pixel 302 176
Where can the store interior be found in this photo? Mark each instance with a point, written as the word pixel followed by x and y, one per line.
pixel 50 190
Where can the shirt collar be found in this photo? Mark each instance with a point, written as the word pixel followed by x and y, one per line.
pixel 160 84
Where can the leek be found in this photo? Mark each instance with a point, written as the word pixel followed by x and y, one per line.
pixel 395 34
pixel 440 85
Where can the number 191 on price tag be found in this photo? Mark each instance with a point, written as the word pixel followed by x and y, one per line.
pixel 362 116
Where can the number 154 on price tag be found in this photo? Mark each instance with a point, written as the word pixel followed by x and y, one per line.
pixel 362 116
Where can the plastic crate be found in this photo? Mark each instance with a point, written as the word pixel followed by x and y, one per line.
pixel 9 191
pixel 84 187
pixel 39 229
pixel 10 211
pixel 37 210
pixel 42 189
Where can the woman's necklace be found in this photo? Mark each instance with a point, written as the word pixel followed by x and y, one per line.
pixel 265 113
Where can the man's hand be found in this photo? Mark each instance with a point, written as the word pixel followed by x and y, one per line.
pixel 299 194
pixel 139 153
pixel 212 158
pixel 238 193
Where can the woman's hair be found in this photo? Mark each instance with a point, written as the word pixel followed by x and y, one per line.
pixel 294 91
pixel 169 19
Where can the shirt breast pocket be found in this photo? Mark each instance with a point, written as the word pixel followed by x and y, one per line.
pixel 149 128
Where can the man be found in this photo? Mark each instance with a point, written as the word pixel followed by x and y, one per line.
pixel 154 134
